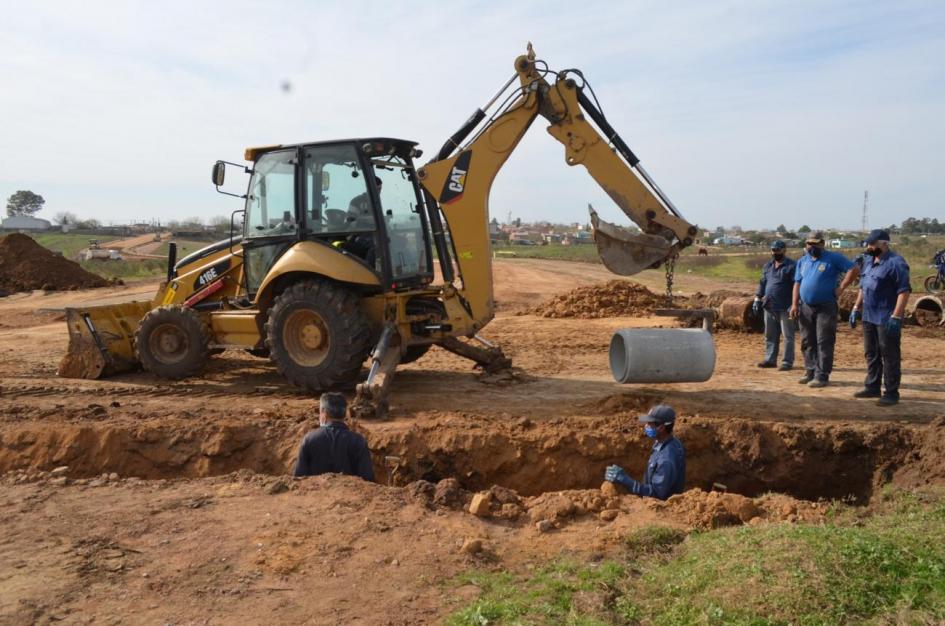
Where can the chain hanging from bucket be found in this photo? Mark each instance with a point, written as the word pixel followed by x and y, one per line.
pixel 670 274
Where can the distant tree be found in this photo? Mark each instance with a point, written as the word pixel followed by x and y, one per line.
pixel 517 222
pixel 220 223
pixel 781 229
pixel 24 203
pixel 804 229
pixel 89 224
pixel 719 230
pixel 65 218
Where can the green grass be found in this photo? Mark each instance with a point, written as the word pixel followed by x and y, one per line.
pixel 586 253
pixel 127 269
pixel 887 568
pixel 69 244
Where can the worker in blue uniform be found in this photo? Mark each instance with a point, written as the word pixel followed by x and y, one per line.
pixel 815 306
pixel 773 297
pixel 881 304
pixel 666 470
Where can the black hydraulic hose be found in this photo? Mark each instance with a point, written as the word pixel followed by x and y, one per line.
pixel 457 138
pixel 602 123
pixel 171 260
pixel 439 237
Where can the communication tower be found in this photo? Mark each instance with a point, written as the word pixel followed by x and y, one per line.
pixel 866 210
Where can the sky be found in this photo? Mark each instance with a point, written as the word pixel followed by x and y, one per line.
pixel 750 113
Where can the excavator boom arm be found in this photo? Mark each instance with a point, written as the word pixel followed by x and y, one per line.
pixel 460 179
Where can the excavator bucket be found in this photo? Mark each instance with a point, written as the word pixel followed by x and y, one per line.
pixel 626 252
pixel 101 340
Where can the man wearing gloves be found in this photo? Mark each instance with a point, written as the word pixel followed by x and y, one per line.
pixel 666 470
pixel 815 306
pixel 774 298
pixel 881 303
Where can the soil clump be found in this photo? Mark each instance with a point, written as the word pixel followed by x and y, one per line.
pixel 25 265
pixel 616 298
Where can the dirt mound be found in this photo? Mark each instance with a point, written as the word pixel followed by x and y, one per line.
pixel 616 298
pixel 25 265
pixel 714 299
pixel 712 509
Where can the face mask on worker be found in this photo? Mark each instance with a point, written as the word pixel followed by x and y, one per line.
pixel 874 251
pixel 777 255
pixel 815 251
pixel 650 431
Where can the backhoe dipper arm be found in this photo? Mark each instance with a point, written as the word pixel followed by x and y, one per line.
pixel 461 176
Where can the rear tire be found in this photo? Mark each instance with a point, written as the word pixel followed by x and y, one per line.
pixel 934 285
pixel 317 335
pixel 172 342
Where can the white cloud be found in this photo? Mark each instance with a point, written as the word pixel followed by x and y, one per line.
pixel 751 113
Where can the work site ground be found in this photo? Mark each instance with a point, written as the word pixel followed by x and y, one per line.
pixel 136 500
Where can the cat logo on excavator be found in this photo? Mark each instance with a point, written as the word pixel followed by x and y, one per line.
pixel 456 181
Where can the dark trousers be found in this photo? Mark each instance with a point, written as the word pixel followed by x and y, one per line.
pixel 883 359
pixel 818 335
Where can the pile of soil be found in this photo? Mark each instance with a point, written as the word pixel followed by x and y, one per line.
pixel 617 298
pixel 25 265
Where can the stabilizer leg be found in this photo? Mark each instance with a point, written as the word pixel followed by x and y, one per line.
pixel 370 400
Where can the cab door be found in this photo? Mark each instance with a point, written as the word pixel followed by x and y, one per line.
pixel 269 226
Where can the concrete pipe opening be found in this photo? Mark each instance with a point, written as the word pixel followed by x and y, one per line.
pixel 929 311
pixel 662 355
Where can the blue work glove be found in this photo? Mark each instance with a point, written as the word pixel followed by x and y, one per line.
pixel 894 326
pixel 854 314
pixel 756 307
pixel 615 474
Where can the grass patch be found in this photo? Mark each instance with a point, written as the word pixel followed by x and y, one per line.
pixel 885 568
pixel 127 269
pixel 69 244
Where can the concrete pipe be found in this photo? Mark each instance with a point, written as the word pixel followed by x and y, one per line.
pixel 662 355
pixel 929 311
pixel 735 313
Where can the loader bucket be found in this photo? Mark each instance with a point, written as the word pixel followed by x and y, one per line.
pixel 626 252
pixel 101 340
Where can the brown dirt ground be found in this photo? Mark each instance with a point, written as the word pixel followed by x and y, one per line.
pixel 186 533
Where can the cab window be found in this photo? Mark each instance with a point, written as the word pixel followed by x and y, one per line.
pixel 401 217
pixel 270 205
pixel 336 192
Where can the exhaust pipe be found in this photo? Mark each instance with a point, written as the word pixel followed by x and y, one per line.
pixel 171 260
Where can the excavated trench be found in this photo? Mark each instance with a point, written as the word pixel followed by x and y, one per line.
pixel 806 461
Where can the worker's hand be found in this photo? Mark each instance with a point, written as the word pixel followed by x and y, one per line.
pixel 615 474
pixel 854 314
pixel 794 313
pixel 756 306
pixel 894 326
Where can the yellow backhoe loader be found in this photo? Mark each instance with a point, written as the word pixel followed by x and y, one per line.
pixel 340 240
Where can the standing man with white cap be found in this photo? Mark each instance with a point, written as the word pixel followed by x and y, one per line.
pixel 884 293
pixel 666 470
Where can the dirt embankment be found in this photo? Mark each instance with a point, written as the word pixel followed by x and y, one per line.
pixel 616 298
pixel 25 265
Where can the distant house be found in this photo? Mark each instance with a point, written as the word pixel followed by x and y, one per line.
pixel 728 241
pixel 25 222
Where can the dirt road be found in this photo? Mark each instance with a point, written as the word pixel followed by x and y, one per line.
pixel 197 525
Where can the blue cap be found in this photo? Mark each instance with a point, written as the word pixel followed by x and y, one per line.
pixel 660 414
pixel 877 234
pixel 777 244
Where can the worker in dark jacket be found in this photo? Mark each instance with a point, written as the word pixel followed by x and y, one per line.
pixel 332 448
pixel 774 298
pixel 666 470
pixel 884 293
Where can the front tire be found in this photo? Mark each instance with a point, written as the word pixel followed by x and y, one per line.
pixel 317 335
pixel 172 342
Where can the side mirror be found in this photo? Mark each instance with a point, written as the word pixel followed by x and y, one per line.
pixel 219 173
pixel 326 181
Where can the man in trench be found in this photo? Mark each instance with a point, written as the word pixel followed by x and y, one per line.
pixel 666 470
pixel 333 448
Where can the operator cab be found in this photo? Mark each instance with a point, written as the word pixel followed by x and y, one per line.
pixel 360 197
